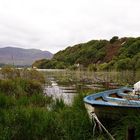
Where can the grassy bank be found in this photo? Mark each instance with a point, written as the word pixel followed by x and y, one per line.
pixel 27 113
pixel 28 117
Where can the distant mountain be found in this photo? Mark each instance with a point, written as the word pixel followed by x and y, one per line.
pixel 20 56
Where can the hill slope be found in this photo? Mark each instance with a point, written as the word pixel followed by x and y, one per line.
pixel 117 53
pixel 19 56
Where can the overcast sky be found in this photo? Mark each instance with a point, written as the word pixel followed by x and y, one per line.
pixel 55 24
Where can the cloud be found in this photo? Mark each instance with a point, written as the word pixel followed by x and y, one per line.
pixel 53 25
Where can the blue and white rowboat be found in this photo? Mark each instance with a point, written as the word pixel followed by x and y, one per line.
pixel 112 103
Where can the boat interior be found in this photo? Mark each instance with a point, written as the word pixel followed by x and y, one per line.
pixel 122 97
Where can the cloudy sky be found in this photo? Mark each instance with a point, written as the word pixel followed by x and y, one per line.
pixel 55 24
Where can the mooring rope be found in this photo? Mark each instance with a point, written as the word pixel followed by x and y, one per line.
pixel 94 117
pixel 94 124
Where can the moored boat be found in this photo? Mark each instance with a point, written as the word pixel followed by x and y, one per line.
pixel 113 103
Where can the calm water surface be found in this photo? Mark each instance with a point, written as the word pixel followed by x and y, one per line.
pixel 66 84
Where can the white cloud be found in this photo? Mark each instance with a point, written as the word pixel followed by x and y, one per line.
pixel 55 24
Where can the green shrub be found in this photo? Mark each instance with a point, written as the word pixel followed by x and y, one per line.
pixel 103 66
pixel 23 101
pixel 19 87
pixel 7 72
pixel 124 64
pixel 40 100
pixel 6 101
pixel 114 39
pixel 35 75
pixel 33 87
pixel 58 105
pixel 92 67
pixel 8 87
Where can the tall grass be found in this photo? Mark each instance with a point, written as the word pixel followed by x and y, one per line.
pixel 29 118
pixel 74 121
pixel 120 130
pixel 26 113
pixel 28 123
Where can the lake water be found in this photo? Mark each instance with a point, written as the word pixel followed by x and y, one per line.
pixel 66 84
pixel 67 93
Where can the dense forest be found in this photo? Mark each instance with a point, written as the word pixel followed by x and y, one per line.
pixel 115 54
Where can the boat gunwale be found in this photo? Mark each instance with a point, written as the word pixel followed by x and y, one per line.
pixel 110 101
pixel 113 106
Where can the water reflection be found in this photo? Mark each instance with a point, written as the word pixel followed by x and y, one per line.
pixel 66 93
